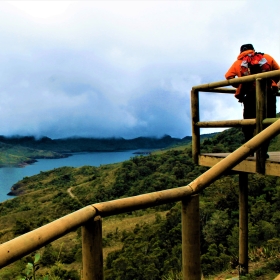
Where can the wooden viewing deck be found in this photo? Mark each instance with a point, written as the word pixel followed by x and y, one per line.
pixel 248 164
pixel 272 164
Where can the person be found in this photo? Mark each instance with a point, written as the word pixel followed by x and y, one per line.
pixel 246 92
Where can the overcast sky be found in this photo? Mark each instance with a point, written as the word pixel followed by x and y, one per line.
pixel 123 68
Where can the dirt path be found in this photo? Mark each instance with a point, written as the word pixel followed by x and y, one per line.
pixel 69 190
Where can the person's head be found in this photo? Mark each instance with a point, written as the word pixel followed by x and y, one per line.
pixel 246 47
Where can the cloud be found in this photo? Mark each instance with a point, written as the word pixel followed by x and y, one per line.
pixel 121 68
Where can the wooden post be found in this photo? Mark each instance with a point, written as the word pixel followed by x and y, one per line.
pixel 195 129
pixel 243 223
pixel 190 238
pixel 260 116
pixel 92 249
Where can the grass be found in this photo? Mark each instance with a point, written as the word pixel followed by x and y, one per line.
pixel 176 148
pixel 110 226
pixel 120 223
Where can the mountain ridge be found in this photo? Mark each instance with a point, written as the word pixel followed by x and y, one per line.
pixel 22 150
pixel 79 144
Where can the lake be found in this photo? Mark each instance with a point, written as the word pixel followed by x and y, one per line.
pixel 11 175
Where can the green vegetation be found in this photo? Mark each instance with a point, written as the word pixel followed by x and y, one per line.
pixel 77 144
pixel 31 268
pixel 146 244
pixel 15 155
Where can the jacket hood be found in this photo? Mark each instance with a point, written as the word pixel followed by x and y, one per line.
pixel 240 56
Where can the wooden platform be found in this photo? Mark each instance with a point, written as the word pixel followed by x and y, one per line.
pixel 272 166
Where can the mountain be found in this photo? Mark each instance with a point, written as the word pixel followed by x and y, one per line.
pixel 21 150
pixel 82 144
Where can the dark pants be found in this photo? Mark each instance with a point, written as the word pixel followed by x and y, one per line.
pixel 249 112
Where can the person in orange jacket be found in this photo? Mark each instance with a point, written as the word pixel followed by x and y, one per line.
pixel 245 93
pixel 234 70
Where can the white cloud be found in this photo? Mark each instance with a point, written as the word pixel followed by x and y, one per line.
pixel 41 9
pixel 121 68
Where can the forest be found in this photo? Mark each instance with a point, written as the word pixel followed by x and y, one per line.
pixel 150 247
pixel 82 144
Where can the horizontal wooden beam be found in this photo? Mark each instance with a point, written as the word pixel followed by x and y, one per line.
pixel 234 123
pixel 236 81
pixel 27 243
pixel 228 123
pixel 269 121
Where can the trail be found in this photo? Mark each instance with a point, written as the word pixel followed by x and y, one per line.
pixel 69 190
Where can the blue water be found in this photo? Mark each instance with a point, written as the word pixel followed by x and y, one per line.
pixel 11 175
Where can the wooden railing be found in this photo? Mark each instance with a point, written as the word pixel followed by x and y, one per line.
pixel 90 217
pixel 259 122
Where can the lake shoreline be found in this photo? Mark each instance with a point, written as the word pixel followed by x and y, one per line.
pixel 16 189
pixel 67 154
pixel 30 161
pixel 11 175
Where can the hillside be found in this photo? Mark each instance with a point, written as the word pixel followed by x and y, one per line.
pixel 153 244
pixel 16 155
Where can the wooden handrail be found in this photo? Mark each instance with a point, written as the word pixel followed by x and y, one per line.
pixel 236 81
pixel 259 123
pixel 215 87
pixel 228 123
pixel 27 243
pixel 234 123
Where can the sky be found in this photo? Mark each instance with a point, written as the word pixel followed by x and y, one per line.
pixel 123 68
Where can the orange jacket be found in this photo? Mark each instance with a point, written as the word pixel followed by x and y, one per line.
pixel 234 70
